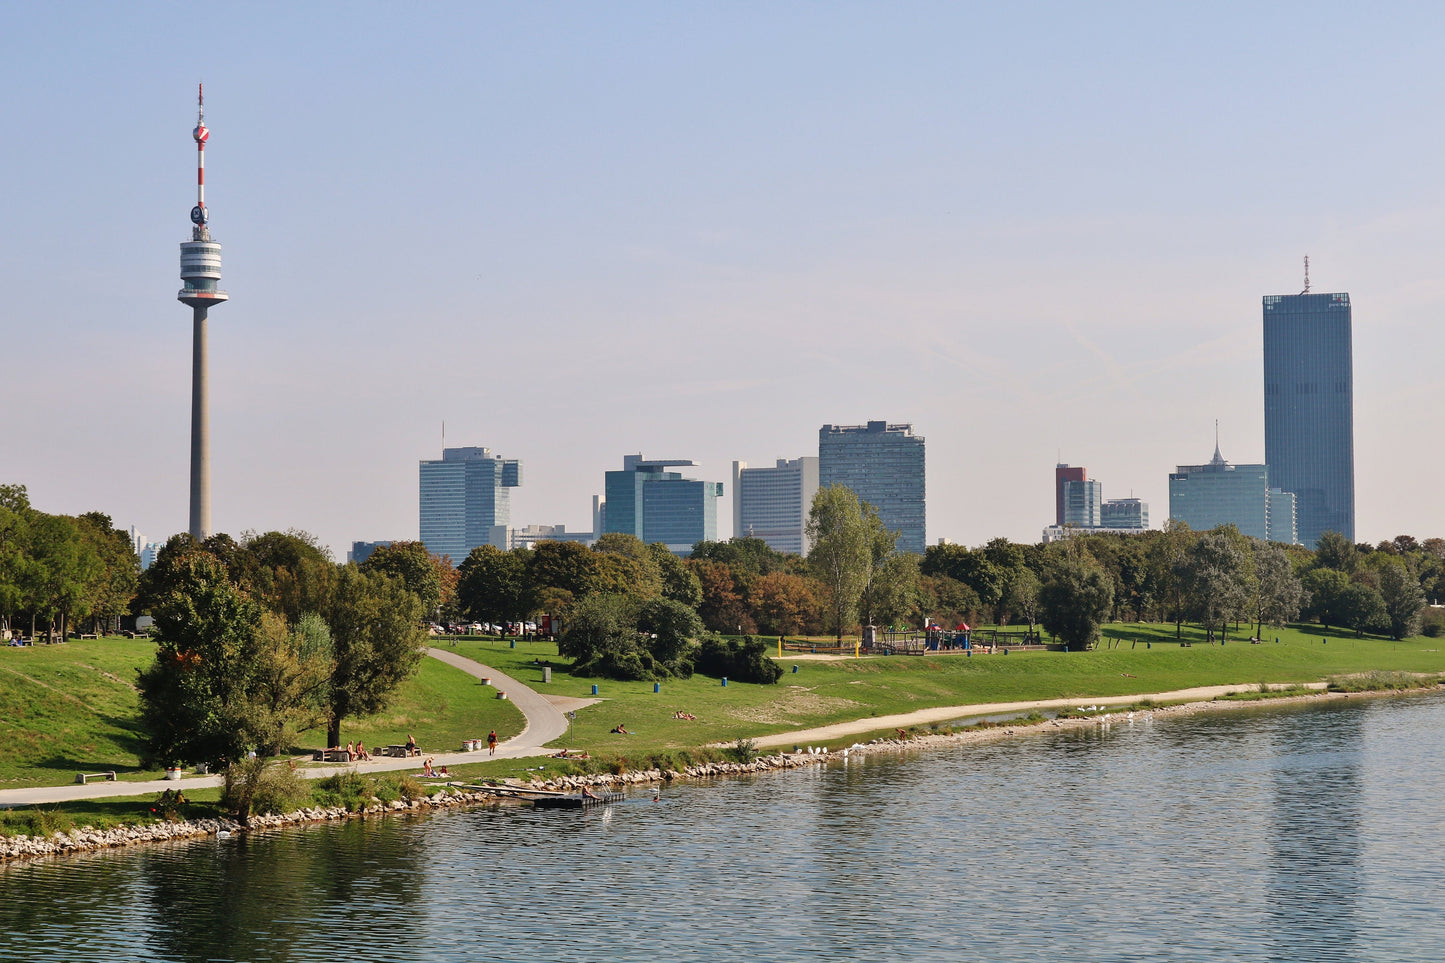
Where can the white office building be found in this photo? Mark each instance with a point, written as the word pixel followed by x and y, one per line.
pixel 773 503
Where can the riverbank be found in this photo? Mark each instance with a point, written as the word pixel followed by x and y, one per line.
pixel 465 794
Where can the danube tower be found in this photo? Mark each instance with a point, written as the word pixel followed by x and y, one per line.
pixel 200 270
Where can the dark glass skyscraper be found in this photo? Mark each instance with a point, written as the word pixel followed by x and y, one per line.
pixel 1309 409
pixel 884 466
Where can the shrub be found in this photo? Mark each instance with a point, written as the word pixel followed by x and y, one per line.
pixel 262 786
pixel 410 789
pixel 745 660
pixel 349 789
pixel 1432 623
pixel 1377 682
pixel 744 750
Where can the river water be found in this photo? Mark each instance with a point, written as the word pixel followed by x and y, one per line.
pixel 1305 833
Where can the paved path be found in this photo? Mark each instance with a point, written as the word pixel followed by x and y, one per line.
pixel 544 723
pixel 924 717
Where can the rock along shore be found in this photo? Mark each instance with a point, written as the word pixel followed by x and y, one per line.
pixel 455 795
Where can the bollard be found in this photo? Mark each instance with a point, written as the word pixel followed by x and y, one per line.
pixel 657 687
pixel 546 673
pixel 795 670
pixel 725 682
pixel 594 689
pixel 514 644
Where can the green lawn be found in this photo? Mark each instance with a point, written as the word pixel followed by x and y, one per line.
pixel 70 708
pixel 73 708
pixel 825 692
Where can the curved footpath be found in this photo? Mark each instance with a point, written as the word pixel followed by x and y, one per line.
pixel 544 723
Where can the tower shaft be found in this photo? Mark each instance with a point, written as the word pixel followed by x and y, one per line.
pixel 200 524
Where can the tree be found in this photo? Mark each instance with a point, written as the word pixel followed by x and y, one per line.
pixel 784 604
pixel 377 643
pixel 1277 592
pixel 1335 551
pixel 1075 600
pixel 493 586
pixel 892 594
pixel 288 572
pixel 1215 578
pixel 1362 609
pixel 1403 599
pixel 113 584
pixel 1022 596
pixel 64 568
pixel 842 551
pixel 566 566
pixel 1325 595
pixel 678 581
pixel 195 697
pixel 669 628
pixel 414 565
pixel 722 607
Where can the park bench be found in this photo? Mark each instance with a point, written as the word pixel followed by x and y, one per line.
pixel 81 777
pixel 331 755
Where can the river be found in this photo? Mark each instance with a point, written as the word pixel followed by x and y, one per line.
pixel 1275 833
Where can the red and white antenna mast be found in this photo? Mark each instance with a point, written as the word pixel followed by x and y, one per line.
pixel 199 214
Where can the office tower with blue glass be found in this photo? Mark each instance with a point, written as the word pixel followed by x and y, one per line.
pixel 773 503
pixel 1309 409
pixel 1218 493
pixel 466 501
pixel 648 500
pixel 884 465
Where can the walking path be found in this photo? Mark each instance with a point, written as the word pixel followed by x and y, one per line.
pixel 925 717
pixel 544 723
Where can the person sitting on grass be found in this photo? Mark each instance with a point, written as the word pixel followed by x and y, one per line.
pixel 621 730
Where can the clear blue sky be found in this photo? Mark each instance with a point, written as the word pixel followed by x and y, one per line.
pixel 701 231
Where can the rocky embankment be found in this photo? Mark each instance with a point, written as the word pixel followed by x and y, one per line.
pixel 88 839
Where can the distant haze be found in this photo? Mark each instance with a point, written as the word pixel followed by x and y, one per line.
pixel 569 232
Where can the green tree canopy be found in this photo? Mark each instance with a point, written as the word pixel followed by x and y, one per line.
pixel 841 556
pixel 1075 599
pixel 376 639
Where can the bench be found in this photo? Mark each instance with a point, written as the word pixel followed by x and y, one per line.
pixel 81 777
pixel 331 755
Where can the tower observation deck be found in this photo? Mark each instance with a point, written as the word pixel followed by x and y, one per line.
pixel 200 272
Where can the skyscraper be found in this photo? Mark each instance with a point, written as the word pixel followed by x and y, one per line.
pixel 200 270
pixel 466 501
pixel 884 465
pixel 773 503
pixel 1083 503
pixel 656 505
pixel 1309 410
pixel 1063 474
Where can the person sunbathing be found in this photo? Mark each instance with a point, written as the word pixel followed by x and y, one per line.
pixel 621 730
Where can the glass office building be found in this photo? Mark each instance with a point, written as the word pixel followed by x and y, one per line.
pixel 1309 410
pixel 1206 496
pixel 773 503
pixel 465 499
pixel 1083 503
pixel 647 500
pixel 884 465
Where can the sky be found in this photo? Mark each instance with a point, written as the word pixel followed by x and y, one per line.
pixel 1039 232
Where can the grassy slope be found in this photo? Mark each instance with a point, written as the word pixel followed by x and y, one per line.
pixel 821 693
pixel 72 708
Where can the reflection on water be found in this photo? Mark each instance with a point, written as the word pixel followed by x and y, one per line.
pixel 1286 834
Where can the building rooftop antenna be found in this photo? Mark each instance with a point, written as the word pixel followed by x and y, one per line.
pixel 1307 275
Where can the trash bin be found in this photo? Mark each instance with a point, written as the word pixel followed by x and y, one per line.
pixel 546 673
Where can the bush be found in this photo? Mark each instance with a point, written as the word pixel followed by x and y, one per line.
pixel 1379 682
pixel 744 750
pixel 264 787
pixel 745 660
pixel 349 789
pixel 1432 623
pixel 410 789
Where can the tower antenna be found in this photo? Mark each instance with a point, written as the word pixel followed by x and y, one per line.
pixel 1307 275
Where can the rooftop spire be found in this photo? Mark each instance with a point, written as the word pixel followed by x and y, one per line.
pixel 1307 275
pixel 1218 459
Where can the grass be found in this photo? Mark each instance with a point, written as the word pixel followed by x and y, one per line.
pixel 73 708
pixel 825 692
pixel 70 708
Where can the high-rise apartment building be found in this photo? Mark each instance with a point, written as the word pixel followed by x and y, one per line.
pixel 657 505
pixel 1309 411
pixel 466 501
pixel 773 503
pixel 1205 496
pixel 884 465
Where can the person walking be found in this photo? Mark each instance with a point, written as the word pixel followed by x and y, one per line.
pixel 492 742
